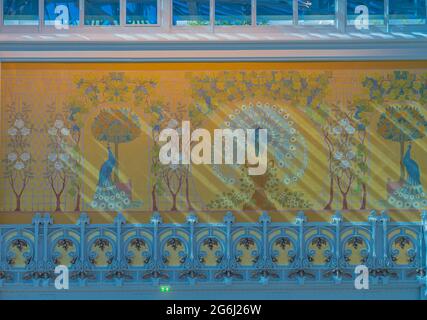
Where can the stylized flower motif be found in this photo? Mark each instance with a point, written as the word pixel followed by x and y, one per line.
pixel 350 155
pixel 19 165
pixel 52 157
pixel 345 164
pixel 59 124
pixel 64 157
pixel 350 130
pixel 338 155
pixel 344 122
pixel 52 131
pixel 337 130
pixel 12 157
pixel 58 165
pixel 12 131
pixel 25 131
pixel 25 156
pixel 19 123
pixel 172 124
pixel 65 131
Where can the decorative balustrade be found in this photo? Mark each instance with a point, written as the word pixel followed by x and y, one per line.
pixel 301 252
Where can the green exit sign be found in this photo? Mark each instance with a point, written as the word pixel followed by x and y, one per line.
pixel 165 289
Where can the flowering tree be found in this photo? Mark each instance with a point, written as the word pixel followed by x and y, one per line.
pixel 166 177
pixel 345 137
pixel 18 162
pixel 60 165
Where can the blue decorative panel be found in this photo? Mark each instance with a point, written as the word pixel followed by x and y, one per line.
pixel 299 254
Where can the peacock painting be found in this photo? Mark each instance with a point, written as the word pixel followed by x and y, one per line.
pixel 410 193
pixel 108 195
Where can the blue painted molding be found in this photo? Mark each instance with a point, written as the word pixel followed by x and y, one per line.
pixel 309 258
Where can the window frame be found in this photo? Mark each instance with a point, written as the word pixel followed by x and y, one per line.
pixel 123 13
pixel 26 28
pixel 209 26
pixel 165 21
pixel 70 27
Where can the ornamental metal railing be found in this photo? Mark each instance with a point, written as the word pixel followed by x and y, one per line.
pixel 299 252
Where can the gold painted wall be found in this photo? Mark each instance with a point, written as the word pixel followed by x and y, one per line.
pixel 339 122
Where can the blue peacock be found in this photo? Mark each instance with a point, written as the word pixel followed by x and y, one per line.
pixel 108 196
pixel 411 194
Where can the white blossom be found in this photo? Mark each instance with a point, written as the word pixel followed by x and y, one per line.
pixel 65 131
pixel 52 131
pixel 12 157
pixel 19 123
pixel 19 165
pixel 58 165
pixel 12 131
pixel 344 122
pixel 52 157
pixel 350 155
pixel 173 124
pixel 345 164
pixel 350 129
pixel 64 157
pixel 25 156
pixel 59 124
pixel 338 155
pixel 25 131
pixel 337 130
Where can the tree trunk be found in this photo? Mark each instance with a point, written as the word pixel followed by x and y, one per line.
pixel 187 190
pixel 58 203
pixel 331 194
pixel 344 201
pixel 174 208
pixel 18 203
pixel 364 197
pixel 154 198
pixel 402 166
pixel 79 197
pixel 116 155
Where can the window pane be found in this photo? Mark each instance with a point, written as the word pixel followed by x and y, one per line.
pixel 317 12
pixel 274 12
pixel 102 12
pixel 375 10
pixel 233 12
pixel 50 15
pixel 407 11
pixel 191 12
pixel 21 12
pixel 141 11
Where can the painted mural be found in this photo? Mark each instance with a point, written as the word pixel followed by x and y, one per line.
pixel 85 137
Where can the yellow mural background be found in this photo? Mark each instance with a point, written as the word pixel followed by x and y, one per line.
pixel 54 84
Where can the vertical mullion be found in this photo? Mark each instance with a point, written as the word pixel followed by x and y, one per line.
pixel 122 8
pixel 81 13
pixel 341 15
pixel 212 15
pixel 159 17
pixel 387 15
pixel 167 14
pixel 1 14
pixel 253 12
pixel 295 12
pixel 41 15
